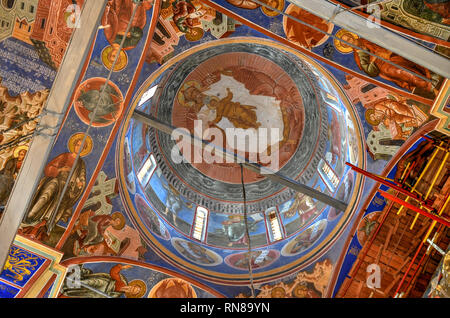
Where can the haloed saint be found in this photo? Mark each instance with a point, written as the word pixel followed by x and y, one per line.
pixel 51 204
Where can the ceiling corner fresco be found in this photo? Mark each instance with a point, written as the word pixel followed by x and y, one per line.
pixel 123 217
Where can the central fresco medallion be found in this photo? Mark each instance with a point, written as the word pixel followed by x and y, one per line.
pixel 241 90
pixel 192 212
pixel 247 87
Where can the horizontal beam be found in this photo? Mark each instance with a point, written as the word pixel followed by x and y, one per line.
pixel 373 32
pixel 415 209
pixel 255 167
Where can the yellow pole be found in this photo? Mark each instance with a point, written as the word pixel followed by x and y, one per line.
pixel 433 224
pixel 406 170
pixel 436 175
pixel 435 152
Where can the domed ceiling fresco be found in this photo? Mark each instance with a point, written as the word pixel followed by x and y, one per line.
pixel 120 201
pixel 313 142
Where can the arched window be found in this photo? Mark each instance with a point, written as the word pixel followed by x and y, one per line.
pixel 8 4
pixel 199 226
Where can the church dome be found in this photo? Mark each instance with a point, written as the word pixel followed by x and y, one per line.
pixel 191 212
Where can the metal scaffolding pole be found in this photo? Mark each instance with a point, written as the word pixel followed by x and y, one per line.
pixel 313 193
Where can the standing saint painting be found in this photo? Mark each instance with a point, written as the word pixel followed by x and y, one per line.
pixel 44 212
pixel 9 174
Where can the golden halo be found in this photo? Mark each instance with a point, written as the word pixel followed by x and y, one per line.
pixel 118 215
pixel 278 292
pixel 19 149
pixel 139 283
pixel 194 34
pixel 272 13
pixel 184 87
pixel 342 47
pixel 122 62
pixel 79 137
pixel 369 120
pixel 299 289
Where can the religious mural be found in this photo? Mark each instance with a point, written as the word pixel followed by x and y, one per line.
pixel 332 44
pixel 305 284
pixel 118 209
pixel 424 19
pixel 391 117
pixel 53 201
pixel 97 285
pixel 18 120
pixel 406 74
pixel 120 281
pixel 302 34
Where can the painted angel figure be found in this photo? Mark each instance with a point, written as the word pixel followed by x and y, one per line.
pixel 174 203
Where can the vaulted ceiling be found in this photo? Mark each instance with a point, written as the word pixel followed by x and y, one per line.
pixel 100 179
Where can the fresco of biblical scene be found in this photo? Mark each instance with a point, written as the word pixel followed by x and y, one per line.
pixel 97 102
pixel 305 239
pixel 391 118
pixel 18 119
pixel 150 218
pixel 172 288
pixel 301 34
pixel 259 259
pixel 336 141
pixel 50 28
pixel 119 280
pixel 188 18
pixel 196 253
pixel 298 212
pixel 352 140
pixel 137 143
pixel 50 204
pixel 237 90
pixel 9 174
pixel 230 230
pixel 129 173
pixel 97 234
pixel 306 284
pixel 116 18
pixel 170 204
pixel 392 122
pixel 430 17
pixel 376 67
pixel 83 282
pixel 418 18
pixel 251 5
pixel 397 115
pixel 343 194
pixel 367 226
